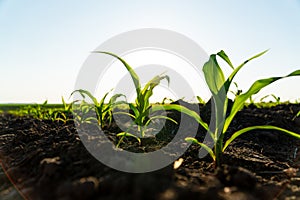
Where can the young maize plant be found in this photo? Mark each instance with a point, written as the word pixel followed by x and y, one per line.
pixel 276 98
pixel 82 113
pixel 103 110
pixel 143 110
pixel 64 114
pixel 41 111
pixel 38 111
pixel 219 87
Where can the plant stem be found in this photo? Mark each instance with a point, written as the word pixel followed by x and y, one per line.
pixel 218 151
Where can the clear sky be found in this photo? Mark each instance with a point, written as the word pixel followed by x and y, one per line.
pixel 44 43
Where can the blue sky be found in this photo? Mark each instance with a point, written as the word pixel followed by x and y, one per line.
pixel 44 43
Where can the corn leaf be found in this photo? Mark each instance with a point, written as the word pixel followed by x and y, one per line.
pixel 223 55
pixel 45 103
pixel 200 100
pixel 101 103
pixel 232 75
pixel 195 141
pixel 154 82
pixel 124 113
pixel 213 75
pixel 255 88
pixel 85 92
pixel 182 109
pixel 124 134
pixel 133 108
pixel 132 73
pixel 114 98
pixel 63 101
pixel 215 80
pixel 269 127
pixel 160 117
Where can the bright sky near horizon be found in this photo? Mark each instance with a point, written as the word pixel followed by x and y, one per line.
pixel 43 44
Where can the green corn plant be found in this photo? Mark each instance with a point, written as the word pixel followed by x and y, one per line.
pixel 82 113
pixel 142 108
pixel 219 87
pixel 64 114
pixel 167 100
pixel 237 91
pixel 103 110
pixel 276 98
pixel 67 108
pixel 39 111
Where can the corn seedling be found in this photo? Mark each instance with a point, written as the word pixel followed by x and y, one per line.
pixel 64 114
pixel 237 91
pixel 82 113
pixel 143 110
pixel 277 99
pixel 219 87
pixel 167 101
pixel 37 110
pixel 141 107
pixel 103 110
pixel 40 111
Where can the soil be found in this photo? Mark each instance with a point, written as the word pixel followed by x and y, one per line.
pixel 47 160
